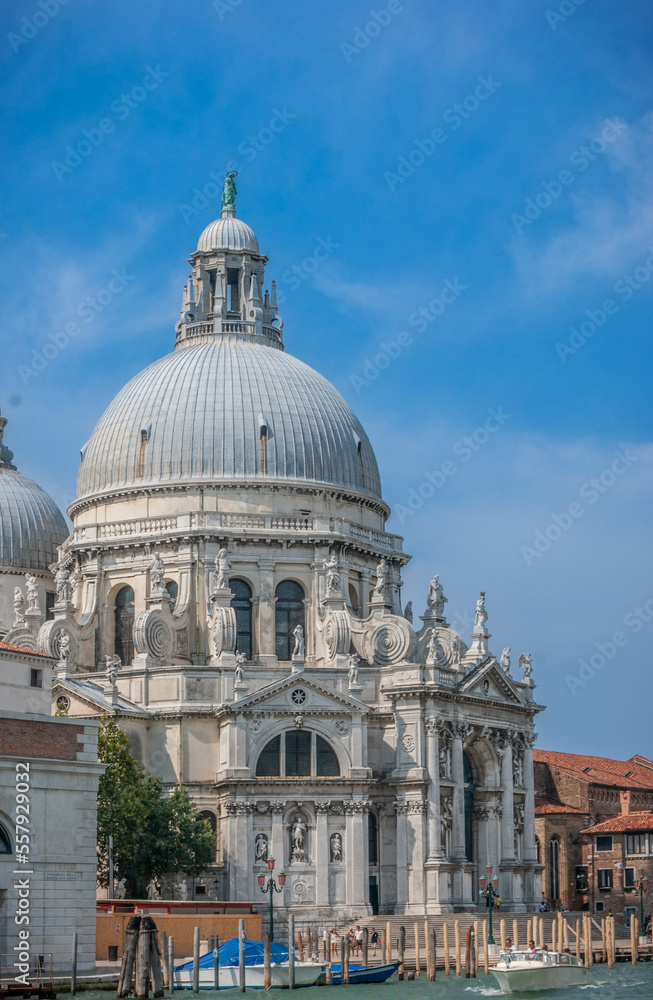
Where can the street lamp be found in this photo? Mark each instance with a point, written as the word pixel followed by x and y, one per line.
pixel 271 887
pixel 489 889
pixel 640 886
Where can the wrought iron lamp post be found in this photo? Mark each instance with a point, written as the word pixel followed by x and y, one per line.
pixel 271 887
pixel 489 889
pixel 640 886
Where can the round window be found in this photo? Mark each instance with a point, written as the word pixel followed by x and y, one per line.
pixel 63 705
pixel 298 696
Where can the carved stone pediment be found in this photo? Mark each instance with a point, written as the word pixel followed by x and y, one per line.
pixel 298 693
pixel 488 680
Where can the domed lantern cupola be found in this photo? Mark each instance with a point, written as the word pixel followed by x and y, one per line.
pixel 224 297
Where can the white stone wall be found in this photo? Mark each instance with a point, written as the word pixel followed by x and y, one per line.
pixel 63 861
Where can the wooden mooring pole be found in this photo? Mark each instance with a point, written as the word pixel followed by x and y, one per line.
pixel 171 962
pixel 129 957
pixel 434 954
pixel 196 960
pixel 402 951
pixel 242 982
pixel 445 945
pixel 267 960
pixel 73 966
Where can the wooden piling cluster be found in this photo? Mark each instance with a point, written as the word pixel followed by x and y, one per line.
pixel 141 960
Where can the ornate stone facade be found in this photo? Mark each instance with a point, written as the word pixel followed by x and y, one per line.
pixel 229 547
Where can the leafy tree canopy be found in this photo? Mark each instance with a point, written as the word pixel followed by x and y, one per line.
pixel 152 832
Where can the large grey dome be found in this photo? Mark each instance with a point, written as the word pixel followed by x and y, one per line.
pixel 201 413
pixel 31 524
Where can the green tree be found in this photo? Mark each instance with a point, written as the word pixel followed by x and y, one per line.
pixel 152 832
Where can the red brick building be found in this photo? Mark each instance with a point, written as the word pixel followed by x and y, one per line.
pixel 616 854
pixel 574 792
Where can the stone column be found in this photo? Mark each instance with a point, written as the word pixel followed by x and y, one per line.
pixel 322 855
pixel 417 883
pixel 402 857
pixel 458 777
pixel 433 793
pixel 508 803
pixel 265 618
pixel 278 847
pixel 356 857
pixel 529 803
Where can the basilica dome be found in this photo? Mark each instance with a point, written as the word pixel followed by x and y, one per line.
pixel 228 233
pixel 31 524
pixel 227 411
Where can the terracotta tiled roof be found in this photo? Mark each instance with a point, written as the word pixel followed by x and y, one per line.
pixel 8 647
pixel 545 806
pixel 634 773
pixel 623 824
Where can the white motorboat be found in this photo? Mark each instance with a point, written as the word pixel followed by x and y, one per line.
pixel 528 971
pixel 306 974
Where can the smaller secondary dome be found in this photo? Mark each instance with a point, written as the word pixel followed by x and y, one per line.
pixel 31 524
pixel 228 233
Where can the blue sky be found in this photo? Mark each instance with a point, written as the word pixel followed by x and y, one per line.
pixel 501 154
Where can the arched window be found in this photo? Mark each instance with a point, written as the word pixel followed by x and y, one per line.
pixel 554 869
pixel 173 589
pixel 353 599
pixel 373 838
pixel 5 843
pixel 297 754
pixel 124 625
pixel 210 816
pixel 289 613
pixel 538 851
pixel 242 604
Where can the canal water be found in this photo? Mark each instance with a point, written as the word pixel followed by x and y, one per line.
pixel 623 982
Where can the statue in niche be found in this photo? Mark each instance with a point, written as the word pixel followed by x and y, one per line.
pixel 222 569
pixel 261 847
pixel 332 573
pixel 299 649
pixel 480 617
pixel 352 667
pixel 432 647
pixel 505 659
pixel 153 889
pixel 121 889
pixel 446 815
pixel 436 599
pixel 444 758
pixel 239 672
pixel 32 589
pixel 157 574
pixel 229 190
pixel 19 601
pixel 336 847
pixel 62 584
pixel 381 578
pixel 298 839
pixel 526 664
pixel 456 650
pixel 408 612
